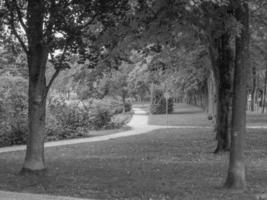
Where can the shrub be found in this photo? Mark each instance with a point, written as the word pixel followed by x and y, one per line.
pixel 67 117
pixel 159 103
pixel 100 118
pixel 128 106
pixel 14 109
pixel 114 106
pixel 77 119
pixel 119 120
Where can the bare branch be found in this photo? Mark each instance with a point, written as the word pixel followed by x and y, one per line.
pixel 52 80
pixel 13 28
pixel 58 69
pixel 20 17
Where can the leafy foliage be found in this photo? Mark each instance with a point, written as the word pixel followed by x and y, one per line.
pixel 158 105
pixel 77 118
pixel 13 110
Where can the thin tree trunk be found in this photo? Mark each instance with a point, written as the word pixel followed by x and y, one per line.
pixel 152 96
pixel 123 103
pixel 236 178
pixel 264 92
pixel 253 92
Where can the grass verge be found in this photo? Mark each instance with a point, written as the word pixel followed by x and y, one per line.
pixel 170 164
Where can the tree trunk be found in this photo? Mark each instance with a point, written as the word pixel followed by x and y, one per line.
pixel 37 59
pixel 123 103
pixel 225 63
pixel 34 160
pixel 236 178
pixel 152 95
pixel 253 91
pixel 211 96
pixel 264 92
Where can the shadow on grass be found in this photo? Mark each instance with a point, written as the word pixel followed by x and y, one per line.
pixel 187 112
pixel 164 164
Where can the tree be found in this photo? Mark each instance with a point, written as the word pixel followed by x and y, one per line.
pixel 43 28
pixel 118 84
pixel 236 173
pixel 215 22
pixel 258 50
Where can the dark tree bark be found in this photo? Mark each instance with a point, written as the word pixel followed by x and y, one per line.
pixel 211 96
pixel 37 58
pixel 123 102
pixel 236 178
pixel 264 92
pixel 224 93
pixel 253 91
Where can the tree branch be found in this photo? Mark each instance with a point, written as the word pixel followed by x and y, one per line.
pixel 57 69
pixel 50 24
pixel 13 28
pixel 52 80
pixel 89 22
pixel 20 17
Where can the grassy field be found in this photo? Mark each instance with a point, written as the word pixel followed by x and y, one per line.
pixel 183 115
pixel 195 116
pixel 254 118
pixel 166 164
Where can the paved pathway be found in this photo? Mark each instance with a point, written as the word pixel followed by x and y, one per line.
pixel 27 196
pixel 138 126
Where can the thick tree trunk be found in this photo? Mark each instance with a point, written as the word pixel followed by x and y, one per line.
pixel 225 63
pixel 37 59
pixel 34 160
pixel 236 178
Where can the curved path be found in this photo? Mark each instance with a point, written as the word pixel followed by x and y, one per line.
pixel 138 126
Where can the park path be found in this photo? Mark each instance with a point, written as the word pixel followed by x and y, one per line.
pixel 139 125
pixel 27 196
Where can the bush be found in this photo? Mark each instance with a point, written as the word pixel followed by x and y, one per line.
pixel 128 106
pixel 70 120
pixel 14 109
pixel 116 107
pixel 100 118
pixel 159 103
pixel 65 119
pixel 119 120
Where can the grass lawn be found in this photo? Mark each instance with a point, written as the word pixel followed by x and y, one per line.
pixel 183 114
pixel 189 115
pixel 108 131
pixel 164 164
pixel 254 118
